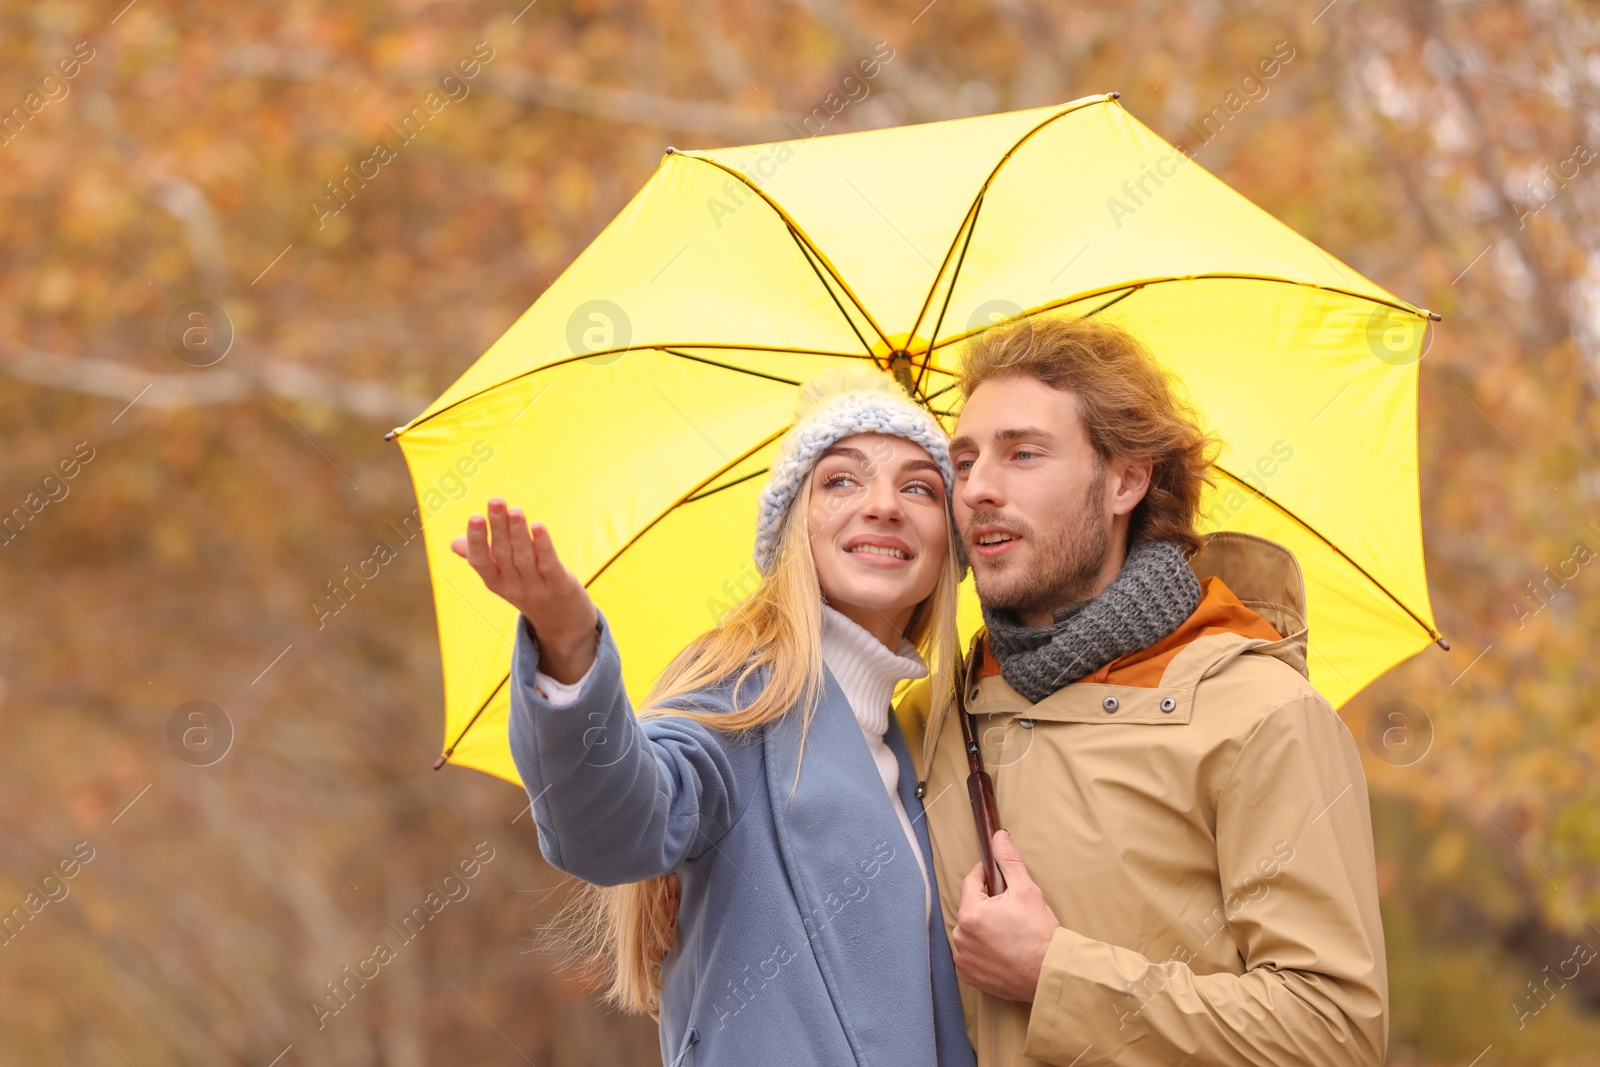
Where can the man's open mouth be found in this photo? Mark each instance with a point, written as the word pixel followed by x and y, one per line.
pixel 991 541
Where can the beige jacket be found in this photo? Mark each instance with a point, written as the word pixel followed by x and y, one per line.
pixel 1197 818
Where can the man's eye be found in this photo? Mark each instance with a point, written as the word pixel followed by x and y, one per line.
pixel 1024 454
pixel 963 465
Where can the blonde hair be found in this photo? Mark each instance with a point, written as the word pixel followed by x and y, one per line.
pixel 773 638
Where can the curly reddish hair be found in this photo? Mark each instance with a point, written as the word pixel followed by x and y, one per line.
pixel 1129 402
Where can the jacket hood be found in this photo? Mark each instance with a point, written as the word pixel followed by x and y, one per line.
pixel 1249 586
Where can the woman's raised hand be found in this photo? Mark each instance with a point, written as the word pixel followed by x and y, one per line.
pixel 522 569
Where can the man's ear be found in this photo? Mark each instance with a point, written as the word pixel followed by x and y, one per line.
pixel 1127 482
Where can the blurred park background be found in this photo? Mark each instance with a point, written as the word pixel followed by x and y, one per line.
pixel 168 153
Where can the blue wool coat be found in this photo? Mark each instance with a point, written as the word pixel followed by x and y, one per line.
pixel 801 937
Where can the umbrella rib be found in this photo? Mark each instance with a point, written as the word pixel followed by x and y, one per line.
pixel 468 726
pixel 829 290
pixel 800 236
pixel 713 476
pixel 993 174
pixel 1437 637
pixel 949 294
pixel 1041 309
pixel 745 348
pixel 963 237
pixel 610 351
pixel 1113 300
pixel 970 219
pixel 1145 283
pixel 726 485
pixel 486 390
pixel 726 366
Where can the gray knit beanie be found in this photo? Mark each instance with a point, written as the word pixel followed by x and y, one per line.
pixel 833 407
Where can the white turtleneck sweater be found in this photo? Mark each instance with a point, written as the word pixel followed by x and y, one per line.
pixel 867 672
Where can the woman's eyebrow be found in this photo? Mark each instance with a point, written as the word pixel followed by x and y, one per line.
pixel 920 464
pixel 844 450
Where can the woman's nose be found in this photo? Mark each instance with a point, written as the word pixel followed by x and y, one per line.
pixel 883 502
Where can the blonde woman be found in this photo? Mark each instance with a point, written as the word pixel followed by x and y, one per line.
pixel 808 924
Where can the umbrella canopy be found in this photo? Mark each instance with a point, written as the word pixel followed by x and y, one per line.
pixel 634 408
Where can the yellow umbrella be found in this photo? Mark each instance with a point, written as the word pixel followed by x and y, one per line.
pixel 634 407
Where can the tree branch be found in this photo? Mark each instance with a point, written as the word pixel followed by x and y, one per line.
pixel 217 385
pixel 632 105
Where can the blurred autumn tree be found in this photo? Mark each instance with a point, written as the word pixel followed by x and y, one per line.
pixel 1446 150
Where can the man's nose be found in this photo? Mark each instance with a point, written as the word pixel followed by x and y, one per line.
pixel 979 487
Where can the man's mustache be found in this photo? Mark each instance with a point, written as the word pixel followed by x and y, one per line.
pixel 997 518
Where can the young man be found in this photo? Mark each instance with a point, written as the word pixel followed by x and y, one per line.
pixel 1187 847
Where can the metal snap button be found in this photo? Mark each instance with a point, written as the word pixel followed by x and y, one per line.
pixel 1109 703
pixel 1026 724
pixel 1168 704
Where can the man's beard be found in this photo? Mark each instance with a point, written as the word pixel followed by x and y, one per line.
pixel 1065 571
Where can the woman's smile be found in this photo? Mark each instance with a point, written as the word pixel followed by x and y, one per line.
pixel 880 551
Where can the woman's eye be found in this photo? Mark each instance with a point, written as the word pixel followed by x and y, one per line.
pixel 923 487
pixel 833 481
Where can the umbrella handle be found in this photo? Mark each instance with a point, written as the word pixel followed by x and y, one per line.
pixel 980 790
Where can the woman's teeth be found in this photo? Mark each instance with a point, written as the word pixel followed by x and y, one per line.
pixel 879 550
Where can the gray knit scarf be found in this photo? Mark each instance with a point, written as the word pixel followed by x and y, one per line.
pixel 1147 600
